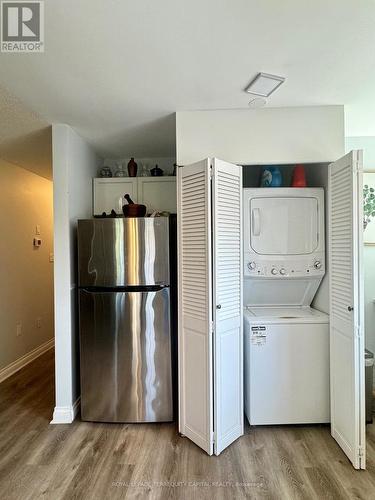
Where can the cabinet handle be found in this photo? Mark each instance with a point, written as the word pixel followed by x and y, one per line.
pixel 350 308
pixel 218 306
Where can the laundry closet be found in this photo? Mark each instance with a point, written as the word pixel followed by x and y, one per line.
pixel 262 328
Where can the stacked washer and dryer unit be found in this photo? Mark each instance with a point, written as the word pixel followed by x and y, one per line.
pixel 286 340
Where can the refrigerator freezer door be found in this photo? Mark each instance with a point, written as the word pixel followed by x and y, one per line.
pixel 126 373
pixel 123 252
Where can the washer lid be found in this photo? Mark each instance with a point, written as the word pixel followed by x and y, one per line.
pixel 273 292
pixel 286 314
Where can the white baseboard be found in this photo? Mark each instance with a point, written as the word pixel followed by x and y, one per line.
pixel 66 414
pixel 20 363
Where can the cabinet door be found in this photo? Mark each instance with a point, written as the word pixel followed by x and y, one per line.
pixel 109 194
pixel 346 306
pixel 158 193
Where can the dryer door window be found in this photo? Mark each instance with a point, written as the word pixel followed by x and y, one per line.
pixel 284 226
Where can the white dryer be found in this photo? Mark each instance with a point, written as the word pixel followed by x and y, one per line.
pixel 286 341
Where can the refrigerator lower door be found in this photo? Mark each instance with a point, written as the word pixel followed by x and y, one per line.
pixel 126 373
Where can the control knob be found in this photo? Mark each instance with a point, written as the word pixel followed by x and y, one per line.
pixel 251 265
pixel 274 271
pixel 282 271
pixel 317 264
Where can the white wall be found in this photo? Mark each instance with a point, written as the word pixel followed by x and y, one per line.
pixel 26 285
pixel 368 146
pixel 261 136
pixel 74 165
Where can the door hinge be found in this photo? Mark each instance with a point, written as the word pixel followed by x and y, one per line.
pixel 213 437
pixel 211 172
pixel 361 452
pixel 212 326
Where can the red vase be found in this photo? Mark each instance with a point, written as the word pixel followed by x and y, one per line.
pixel 299 177
pixel 132 168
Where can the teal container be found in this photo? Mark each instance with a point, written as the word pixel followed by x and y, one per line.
pixel 271 177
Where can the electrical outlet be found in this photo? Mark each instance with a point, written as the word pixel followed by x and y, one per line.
pixel 38 322
pixel 19 329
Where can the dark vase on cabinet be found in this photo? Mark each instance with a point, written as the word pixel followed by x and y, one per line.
pixel 132 168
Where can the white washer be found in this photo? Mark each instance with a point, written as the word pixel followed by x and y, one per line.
pixel 286 365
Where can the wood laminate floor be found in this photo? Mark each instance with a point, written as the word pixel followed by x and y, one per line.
pixel 100 461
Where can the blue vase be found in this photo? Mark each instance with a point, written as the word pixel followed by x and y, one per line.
pixel 271 177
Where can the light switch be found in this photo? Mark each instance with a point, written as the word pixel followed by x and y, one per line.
pixel 37 229
pixel 18 329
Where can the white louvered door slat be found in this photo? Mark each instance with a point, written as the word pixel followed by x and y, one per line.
pixel 227 280
pixel 195 304
pixel 346 306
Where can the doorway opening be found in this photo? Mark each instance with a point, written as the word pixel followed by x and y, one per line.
pixel 26 263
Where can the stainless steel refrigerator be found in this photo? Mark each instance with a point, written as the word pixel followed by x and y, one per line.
pixel 124 320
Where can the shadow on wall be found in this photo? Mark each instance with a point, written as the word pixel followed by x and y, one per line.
pixel 33 151
pixel 161 140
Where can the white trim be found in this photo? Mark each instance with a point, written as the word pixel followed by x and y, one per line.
pixel 66 414
pixel 24 360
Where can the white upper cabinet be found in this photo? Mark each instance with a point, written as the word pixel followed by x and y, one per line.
pixel 157 193
pixel 109 193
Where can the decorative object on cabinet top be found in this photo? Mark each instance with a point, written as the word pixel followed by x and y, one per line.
pixel 132 168
pixel 120 172
pixel 105 172
pixel 145 172
pixel 156 171
pixel 144 164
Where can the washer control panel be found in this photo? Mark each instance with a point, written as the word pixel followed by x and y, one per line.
pixel 278 268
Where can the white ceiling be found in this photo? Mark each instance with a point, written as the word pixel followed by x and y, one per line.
pixel 117 70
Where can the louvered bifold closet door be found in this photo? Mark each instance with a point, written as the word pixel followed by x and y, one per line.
pixel 195 304
pixel 346 306
pixel 227 279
